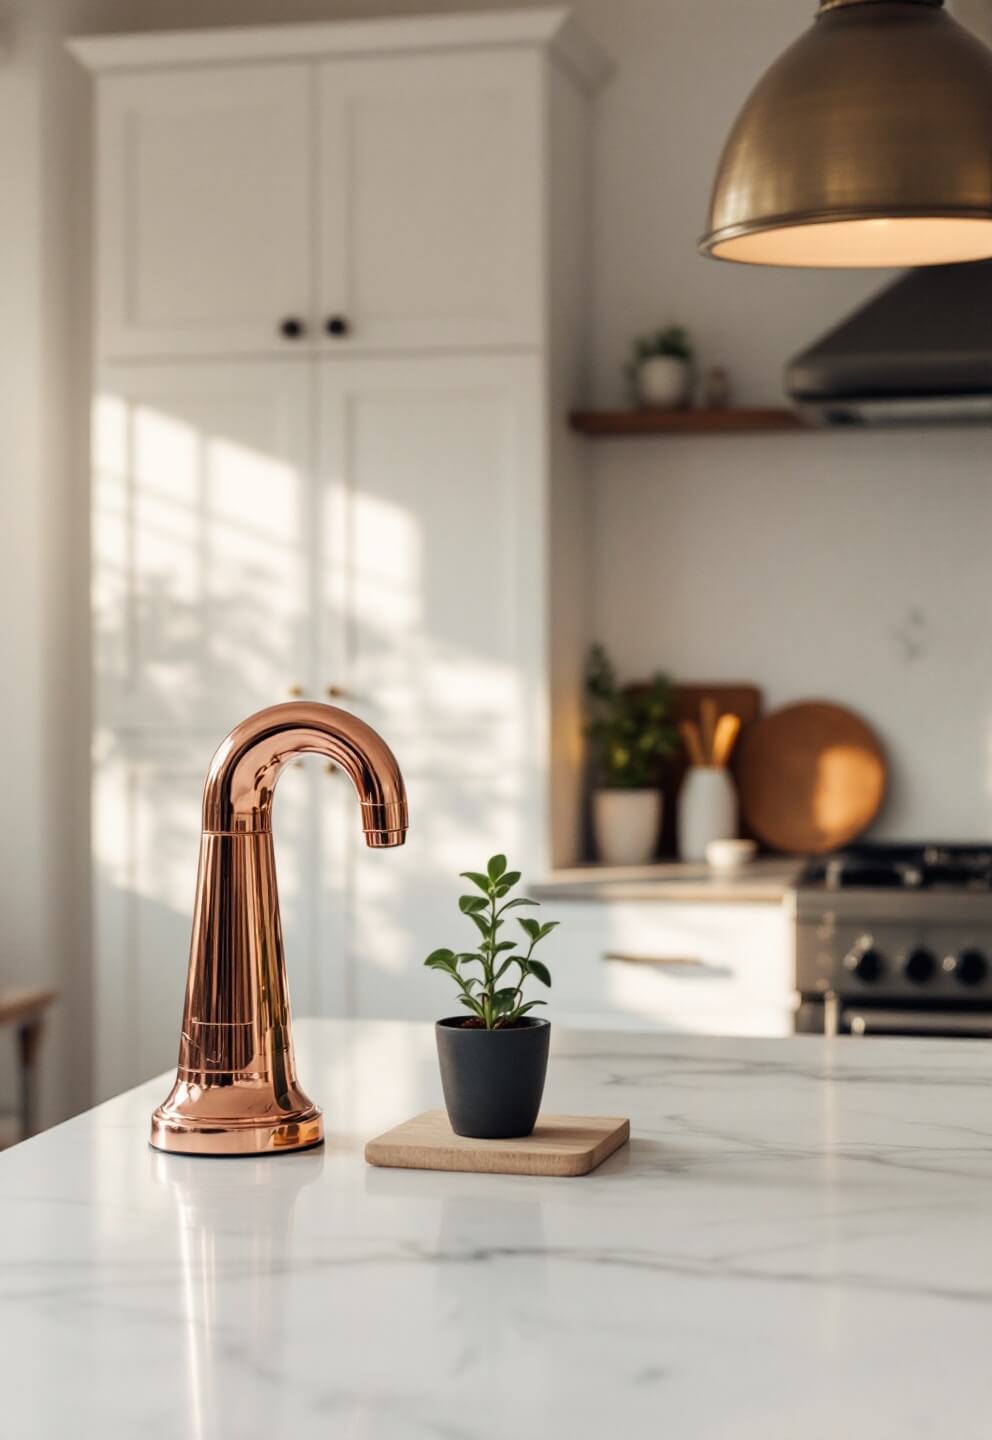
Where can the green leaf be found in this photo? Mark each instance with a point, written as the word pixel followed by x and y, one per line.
pixel 472 1004
pixel 496 866
pixel 503 1000
pixel 547 928
pixel 481 925
pixel 512 904
pixel 541 971
pixel 531 928
pixel 509 879
pixel 530 1006
pixel 471 904
pixel 481 880
pixel 442 958
pixel 504 945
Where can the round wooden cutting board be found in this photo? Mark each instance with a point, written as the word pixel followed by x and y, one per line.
pixel 811 777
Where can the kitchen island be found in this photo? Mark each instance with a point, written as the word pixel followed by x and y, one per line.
pixel 797 1242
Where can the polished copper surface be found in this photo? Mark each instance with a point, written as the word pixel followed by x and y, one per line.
pixel 236 1091
pixel 866 143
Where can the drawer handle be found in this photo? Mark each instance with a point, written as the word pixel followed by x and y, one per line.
pixel 660 962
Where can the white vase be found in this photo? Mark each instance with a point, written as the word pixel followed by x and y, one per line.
pixel 663 382
pixel 707 810
pixel 626 825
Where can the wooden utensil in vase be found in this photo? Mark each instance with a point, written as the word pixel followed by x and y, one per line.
pixel 707 723
pixel 693 743
pixel 724 738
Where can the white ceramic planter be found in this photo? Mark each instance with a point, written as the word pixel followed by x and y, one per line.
pixel 663 382
pixel 626 825
pixel 707 810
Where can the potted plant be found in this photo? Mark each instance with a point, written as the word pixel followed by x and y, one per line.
pixel 632 734
pixel 494 1059
pixel 660 368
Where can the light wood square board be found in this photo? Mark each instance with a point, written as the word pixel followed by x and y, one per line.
pixel 560 1145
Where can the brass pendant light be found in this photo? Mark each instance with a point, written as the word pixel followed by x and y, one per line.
pixel 868 142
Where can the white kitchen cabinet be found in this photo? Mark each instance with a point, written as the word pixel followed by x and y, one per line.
pixel 705 969
pixel 430 193
pixel 359 203
pixel 389 515
pixel 205 209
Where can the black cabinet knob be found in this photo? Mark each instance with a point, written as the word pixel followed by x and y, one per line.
pixel 865 962
pixel 291 328
pixel 920 965
pixel 337 326
pixel 970 967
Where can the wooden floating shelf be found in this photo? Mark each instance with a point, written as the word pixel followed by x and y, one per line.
pixel 683 422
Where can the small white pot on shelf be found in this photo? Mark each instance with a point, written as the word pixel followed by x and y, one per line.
pixel 626 825
pixel 707 810
pixel 663 382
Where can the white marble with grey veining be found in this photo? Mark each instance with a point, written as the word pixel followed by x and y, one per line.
pixel 797 1243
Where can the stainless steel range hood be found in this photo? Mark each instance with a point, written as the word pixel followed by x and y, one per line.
pixel 919 353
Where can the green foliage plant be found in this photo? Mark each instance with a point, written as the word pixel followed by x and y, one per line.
pixel 631 729
pixel 490 992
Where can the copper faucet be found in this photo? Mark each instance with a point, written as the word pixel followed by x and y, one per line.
pixel 236 1091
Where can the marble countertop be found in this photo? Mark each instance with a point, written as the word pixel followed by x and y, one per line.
pixel 767 880
pixel 797 1242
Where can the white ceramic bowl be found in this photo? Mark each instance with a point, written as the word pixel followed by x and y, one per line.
pixel 728 855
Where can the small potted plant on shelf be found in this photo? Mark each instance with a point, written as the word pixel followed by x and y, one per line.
pixel 494 1059
pixel 632 733
pixel 659 371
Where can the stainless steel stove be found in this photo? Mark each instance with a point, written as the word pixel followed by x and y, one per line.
pixel 896 940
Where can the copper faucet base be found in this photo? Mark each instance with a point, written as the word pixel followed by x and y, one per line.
pixel 184 1135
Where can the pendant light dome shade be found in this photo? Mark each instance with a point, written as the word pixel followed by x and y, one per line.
pixel 867 143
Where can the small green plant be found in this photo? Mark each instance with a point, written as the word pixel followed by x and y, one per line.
pixel 493 1004
pixel 631 729
pixel 673 340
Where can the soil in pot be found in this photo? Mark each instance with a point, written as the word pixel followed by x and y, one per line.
pixel 492 1080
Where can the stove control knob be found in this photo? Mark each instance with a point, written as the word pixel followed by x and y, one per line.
pixel 970 967
pixel 865 962
pixel 919 966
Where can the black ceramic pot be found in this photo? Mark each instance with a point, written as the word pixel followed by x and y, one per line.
pixel 493 1080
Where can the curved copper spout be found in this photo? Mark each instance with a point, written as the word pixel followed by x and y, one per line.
pixel 237 797
pixel 236 1091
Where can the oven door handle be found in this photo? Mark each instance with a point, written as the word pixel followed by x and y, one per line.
pixel 949 1023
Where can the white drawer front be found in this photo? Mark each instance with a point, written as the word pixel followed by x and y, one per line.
pixel 702 969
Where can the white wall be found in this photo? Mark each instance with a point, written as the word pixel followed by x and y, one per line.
pixel 790 561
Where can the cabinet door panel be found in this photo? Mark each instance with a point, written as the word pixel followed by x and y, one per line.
pixel 433 534
pixel 714 969
pixel 204 209
pixel 432 544
pixel 202 532
pixel 430 230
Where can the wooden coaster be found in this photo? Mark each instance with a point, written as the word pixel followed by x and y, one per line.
pixel 560 1145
